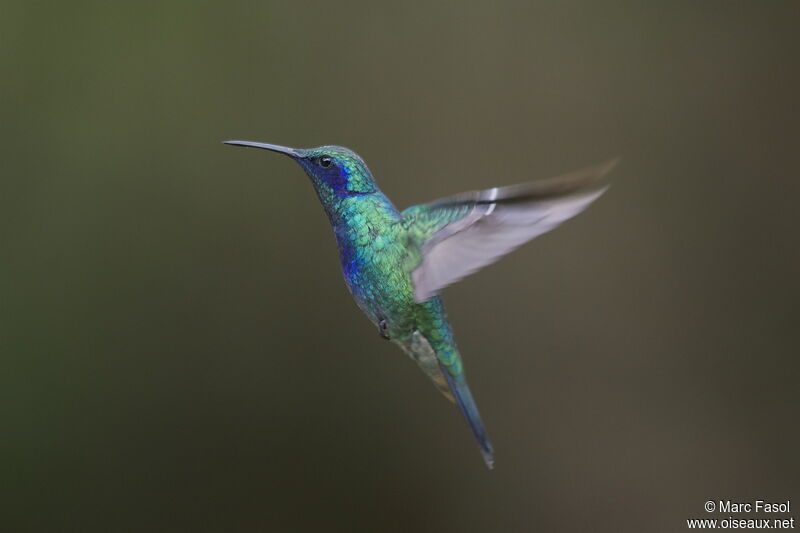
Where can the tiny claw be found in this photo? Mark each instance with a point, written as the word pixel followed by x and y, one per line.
pixel 383 329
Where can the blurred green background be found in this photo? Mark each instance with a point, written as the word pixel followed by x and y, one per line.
pixel 179 351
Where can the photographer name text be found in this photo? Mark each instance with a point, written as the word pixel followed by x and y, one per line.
pixel 757 506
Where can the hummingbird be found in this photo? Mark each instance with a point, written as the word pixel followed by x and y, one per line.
pixel 395 263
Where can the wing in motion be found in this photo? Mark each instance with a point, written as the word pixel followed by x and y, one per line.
pixel 456 236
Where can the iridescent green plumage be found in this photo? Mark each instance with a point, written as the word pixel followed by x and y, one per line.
pixel 396 263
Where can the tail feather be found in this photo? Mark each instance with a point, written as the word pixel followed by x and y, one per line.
pixel 460 389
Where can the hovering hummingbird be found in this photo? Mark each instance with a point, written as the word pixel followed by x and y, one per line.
pixel 396 262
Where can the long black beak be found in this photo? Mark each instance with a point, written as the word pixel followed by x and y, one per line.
pixel 291 152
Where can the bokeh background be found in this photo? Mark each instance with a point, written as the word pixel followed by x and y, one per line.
pixel 178 349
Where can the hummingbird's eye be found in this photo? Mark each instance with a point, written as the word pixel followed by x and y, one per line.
pixel 325 161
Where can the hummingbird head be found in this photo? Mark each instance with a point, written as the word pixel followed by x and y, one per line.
pixel 332 169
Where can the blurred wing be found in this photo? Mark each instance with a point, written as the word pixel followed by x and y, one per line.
pixel 458 235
